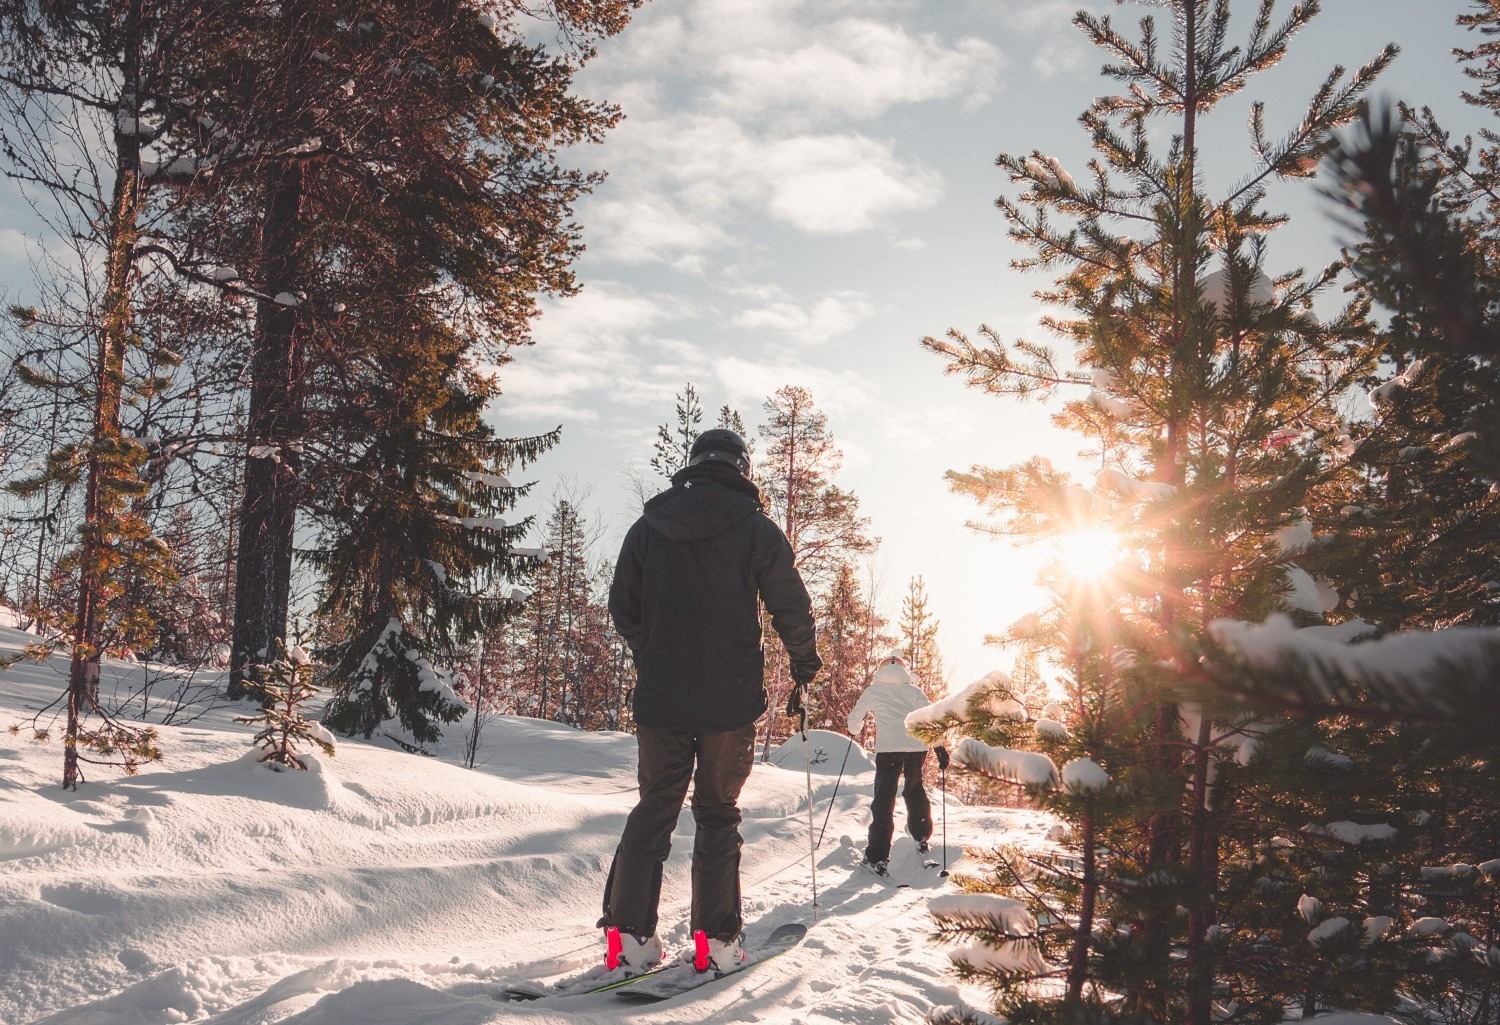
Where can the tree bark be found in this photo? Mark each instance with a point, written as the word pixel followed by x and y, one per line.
pixel 268 513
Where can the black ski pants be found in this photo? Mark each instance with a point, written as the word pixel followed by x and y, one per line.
pixel 718 765
pixel 890 766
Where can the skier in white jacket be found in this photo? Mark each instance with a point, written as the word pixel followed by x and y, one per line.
pixel 891 695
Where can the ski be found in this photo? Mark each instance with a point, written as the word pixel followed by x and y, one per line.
pixel 597 979
pixel 665 986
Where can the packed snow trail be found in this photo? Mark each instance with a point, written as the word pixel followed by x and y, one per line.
pixel 383 888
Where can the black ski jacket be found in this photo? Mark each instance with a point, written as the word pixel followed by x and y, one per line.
pixel 684 598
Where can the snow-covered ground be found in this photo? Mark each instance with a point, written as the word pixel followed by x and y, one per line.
pixel 384 888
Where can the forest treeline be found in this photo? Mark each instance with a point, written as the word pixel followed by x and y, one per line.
pixel 297 244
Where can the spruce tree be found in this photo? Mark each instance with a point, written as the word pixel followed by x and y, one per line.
pixel 403 159
pixel 286 685
pixel 414 539
pixel 1212 399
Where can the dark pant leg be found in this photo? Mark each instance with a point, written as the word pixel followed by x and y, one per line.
pixel 633 890
pixel 883 806
pixel 724 761
pixel 918 808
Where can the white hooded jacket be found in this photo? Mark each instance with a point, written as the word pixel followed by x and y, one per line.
pixel 890 696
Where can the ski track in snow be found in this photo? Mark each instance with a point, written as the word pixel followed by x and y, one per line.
pixel 383 888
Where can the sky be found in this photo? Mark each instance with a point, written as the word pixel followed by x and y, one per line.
pixel 383 888
pixel 803 189
pixel 800 191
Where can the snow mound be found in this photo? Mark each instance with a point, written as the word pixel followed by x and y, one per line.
pixel 827 752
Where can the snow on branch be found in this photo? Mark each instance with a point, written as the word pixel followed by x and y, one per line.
pixel 1049 171
pixel 489 480
pixel 1446 678
pixel 1023 767
pixel 1007 931
pixel 1403 666
pixel 989 694
pixel 1382 394
pixel 1084 776
pixel 1122 485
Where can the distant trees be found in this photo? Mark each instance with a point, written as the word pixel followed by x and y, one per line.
pixel 821 521
pixel 918 628
pixel 852 639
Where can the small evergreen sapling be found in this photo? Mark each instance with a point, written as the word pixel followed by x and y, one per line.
pixel 286 685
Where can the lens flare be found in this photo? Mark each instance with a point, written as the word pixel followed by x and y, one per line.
pixel 1088 554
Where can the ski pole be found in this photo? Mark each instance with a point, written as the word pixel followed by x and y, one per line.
pixel 836 783
pixel 943 776
pixel 797 705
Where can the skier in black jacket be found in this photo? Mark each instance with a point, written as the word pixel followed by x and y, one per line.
pixel 684 597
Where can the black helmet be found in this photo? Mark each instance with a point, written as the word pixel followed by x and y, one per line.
pixel 721 444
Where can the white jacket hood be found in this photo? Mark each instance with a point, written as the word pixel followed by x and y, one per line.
pixel 890 697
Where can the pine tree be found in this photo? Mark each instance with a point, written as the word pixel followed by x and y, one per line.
pixel 852 638
pixel 414 539
pixel 730 420
pixel 111 80
pixel 674 442
pixel 559 614
pixel 821 520
pixel 919 631
pixel 1213 405
pixel 1413 540
pixel 1420 532
pixel 287 687
pixel 405 174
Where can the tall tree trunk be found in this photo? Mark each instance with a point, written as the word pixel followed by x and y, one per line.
pixel 1204 866
pixel 268 513
pixel 1078 955
pixel 101 495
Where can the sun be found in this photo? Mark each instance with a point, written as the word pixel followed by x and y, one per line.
pixel 1088 554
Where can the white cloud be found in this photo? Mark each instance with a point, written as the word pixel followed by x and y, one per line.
pixel 603 310
pixel 687 185
pixel 585 349
pixel 748 383
pixel 855 68
pixel 830 316
pixel 834 185
pixel 1032 16
pixel 13 247
pixel 644 226
pixel 739 111
pixel 1060 57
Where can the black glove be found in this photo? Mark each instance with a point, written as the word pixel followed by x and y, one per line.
pixel 794 700
pixel 804 673
pixel 942 756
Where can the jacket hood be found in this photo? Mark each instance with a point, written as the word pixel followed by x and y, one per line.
pixel 703 502
pixel 892 672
